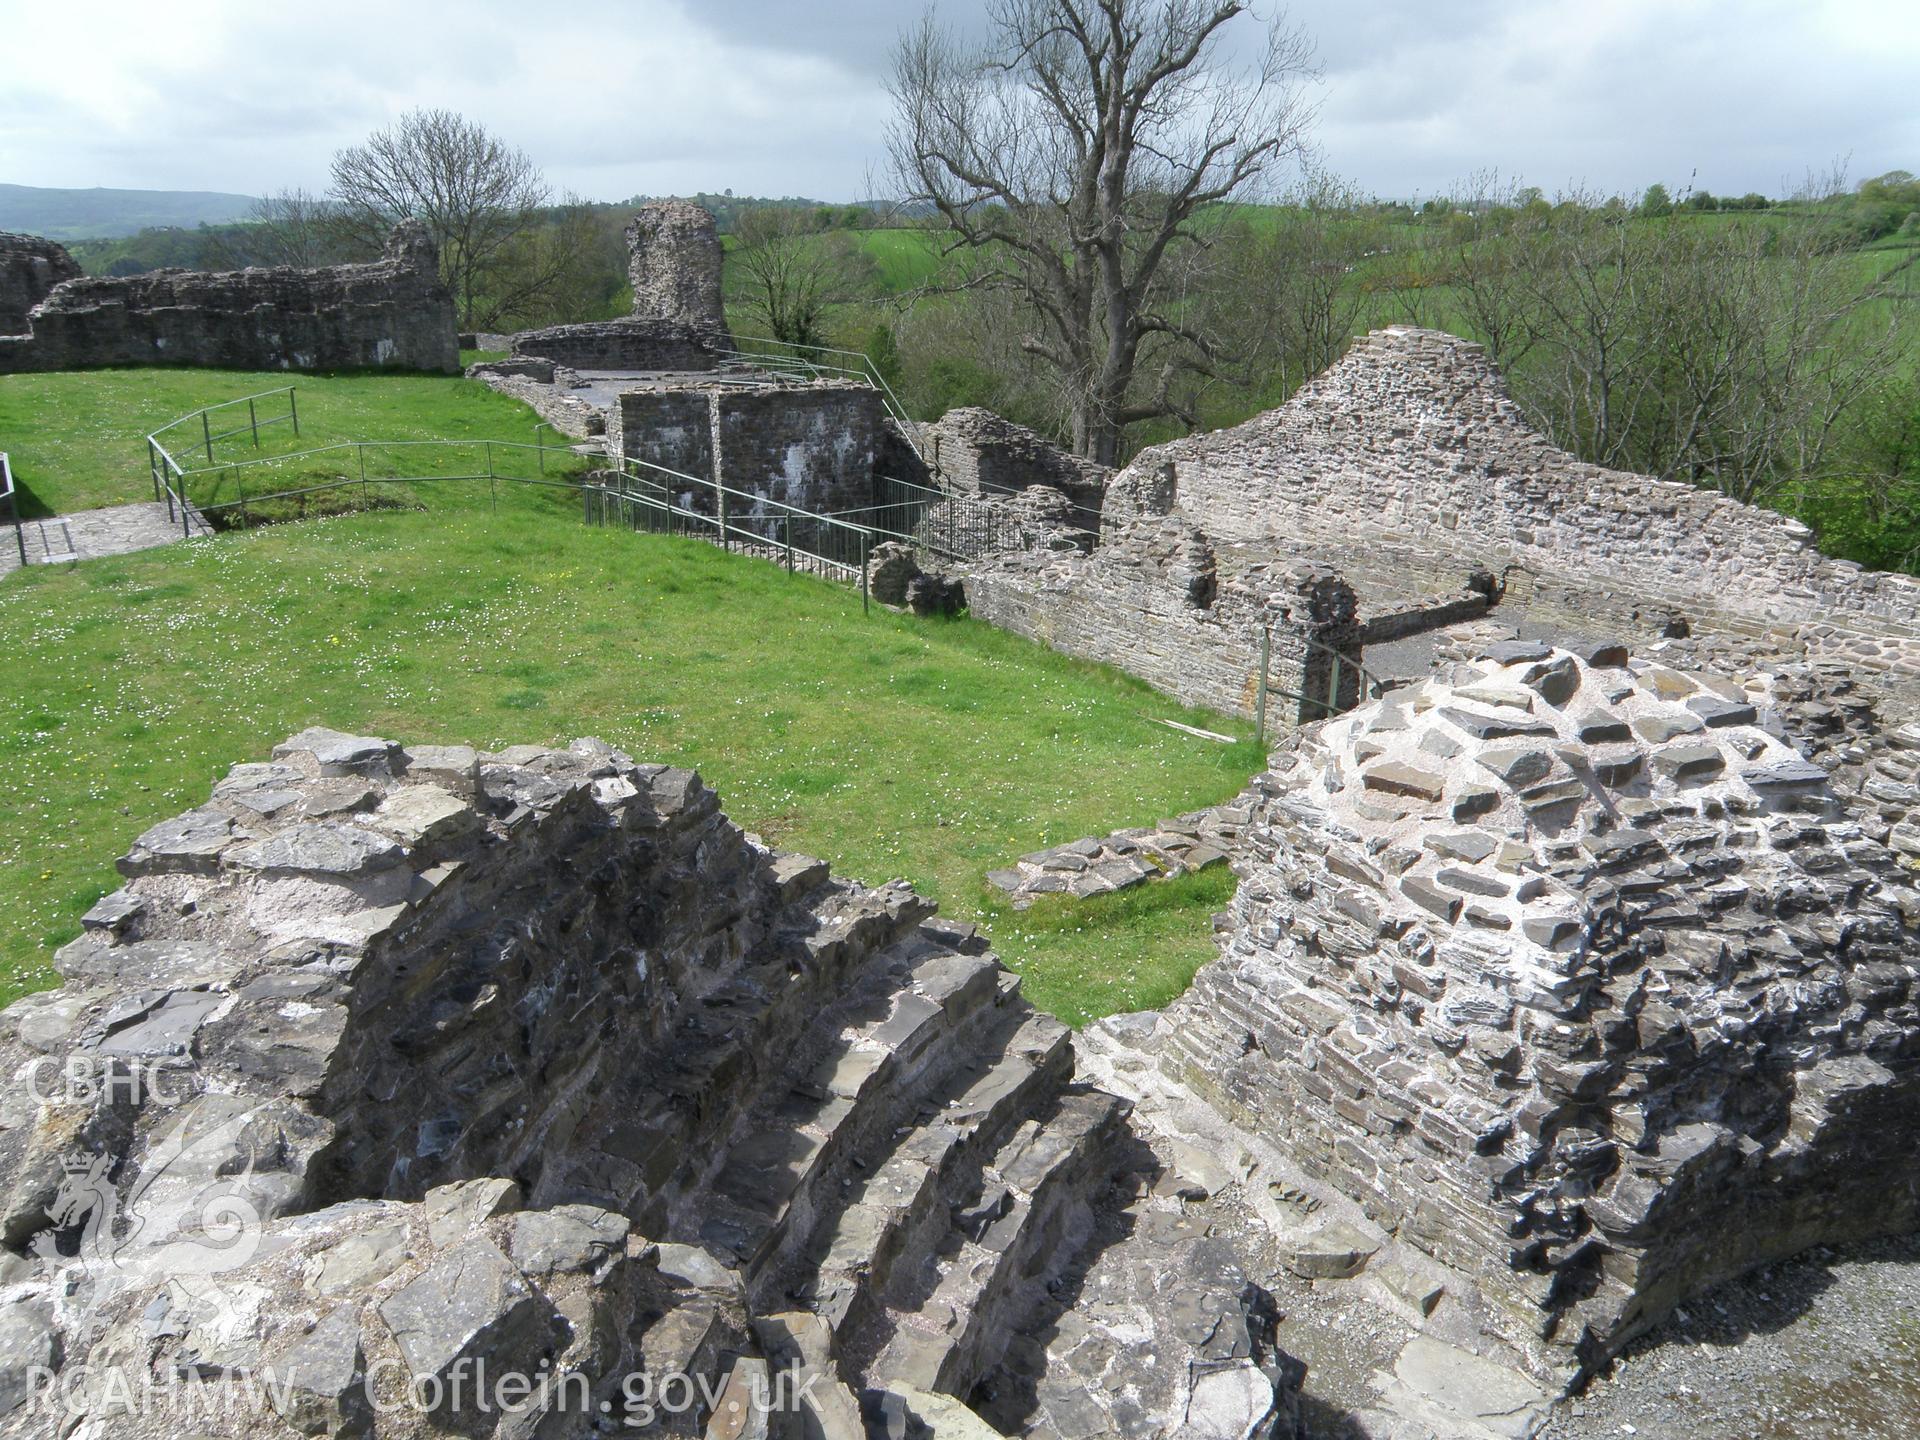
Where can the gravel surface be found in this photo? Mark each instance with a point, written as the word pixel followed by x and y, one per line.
pixel 1827 1344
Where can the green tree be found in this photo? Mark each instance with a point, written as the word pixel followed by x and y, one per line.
pixel 883 353
pixel 1656 201
pixel 788 275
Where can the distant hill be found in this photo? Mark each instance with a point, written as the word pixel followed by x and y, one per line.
pixel 97 214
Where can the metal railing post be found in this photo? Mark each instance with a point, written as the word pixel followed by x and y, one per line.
pixel 293 409
pixel 253 420
pixel 1333 686
pixel 206 430
pixel 13 508
pixel 866 598
pixel 1260 693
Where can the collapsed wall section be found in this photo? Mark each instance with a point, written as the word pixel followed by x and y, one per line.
pixel 391 1064
pixel 637 343
pixel 974 452
pixel 1413 439
pixel 30 267
pixel 674 262
pixel 391 314
pixel 1574 975
pixel 679 321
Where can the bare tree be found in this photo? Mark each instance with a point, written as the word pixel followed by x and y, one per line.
pixel 1073 153
pixel 1302 261
pixel 1490 227
pixel 293 227
pixel 477 197
pixel 789 272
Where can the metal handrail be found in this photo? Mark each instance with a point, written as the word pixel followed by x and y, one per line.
pixel 770 525
pixel 757 503
pixel 165 464
pixel 207 433
pixel 13 505
pixel 865 369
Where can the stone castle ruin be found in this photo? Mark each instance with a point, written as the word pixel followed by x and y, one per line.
pixel 29 269
pixel 679 321
pixel 391 314
pixel 1408 472
pixel 1565 978
pixel 1577 977
pixel 534 1060
pixel 664 387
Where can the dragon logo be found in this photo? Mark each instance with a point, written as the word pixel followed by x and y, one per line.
pixel 189 1215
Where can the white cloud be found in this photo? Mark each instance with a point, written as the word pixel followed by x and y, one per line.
pixel 767 96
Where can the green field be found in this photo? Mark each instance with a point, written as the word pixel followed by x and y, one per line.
pixel 77 439
pixel 893 746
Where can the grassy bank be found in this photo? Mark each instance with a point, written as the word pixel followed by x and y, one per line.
pixel 893 746
pixel 77 438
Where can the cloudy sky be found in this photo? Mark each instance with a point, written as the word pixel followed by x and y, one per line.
pixel 770 98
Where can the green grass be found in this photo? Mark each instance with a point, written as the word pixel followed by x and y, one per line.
pixel 77 438
pixel 904 259
pixel 892 746
pixel 1136 950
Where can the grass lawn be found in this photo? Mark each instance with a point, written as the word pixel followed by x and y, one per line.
pixel 892 746
pixel 77 439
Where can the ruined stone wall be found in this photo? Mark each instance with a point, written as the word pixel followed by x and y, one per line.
pixel 674 261
pixel 811 446
pixel 1413 438
pixel 639 343
pixel 669 428
pixel 974 451
pixel 544 388
pixel 29 269
pixel 1149 601
pixel 424 1060
pixel 1574 975
pixel 391 314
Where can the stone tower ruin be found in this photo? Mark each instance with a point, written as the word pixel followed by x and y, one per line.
pixel 673 260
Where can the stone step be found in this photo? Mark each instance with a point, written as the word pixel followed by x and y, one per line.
pixel 947 1324
pixel 797 876
pixel 801 1353
pixel 901 1209
pixel 729 1051
pixel 883 1051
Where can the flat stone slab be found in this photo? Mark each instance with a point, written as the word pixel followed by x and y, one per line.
pixel 1395 778
pixel 344 851
pixel 1100 865
pixel 95 534
pixel 1457 1393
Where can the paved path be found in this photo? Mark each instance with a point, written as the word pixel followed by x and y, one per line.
pixel 90 534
